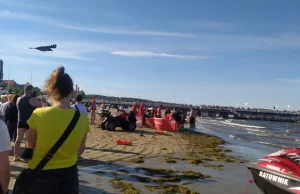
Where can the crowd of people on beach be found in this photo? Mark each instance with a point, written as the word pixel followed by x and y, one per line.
pixel 55 137
pixel 180 117
pixel 55 134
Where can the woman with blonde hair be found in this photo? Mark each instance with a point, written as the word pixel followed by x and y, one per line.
pixel 55 135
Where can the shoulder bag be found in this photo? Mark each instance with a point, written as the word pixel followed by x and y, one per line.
pixel 33 181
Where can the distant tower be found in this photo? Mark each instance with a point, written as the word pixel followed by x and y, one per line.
pixel 1 69
pixel 1 75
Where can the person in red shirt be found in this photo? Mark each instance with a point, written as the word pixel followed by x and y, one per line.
pixel 168 116
pixel 154 112
pixel 142 112
pixel 134 108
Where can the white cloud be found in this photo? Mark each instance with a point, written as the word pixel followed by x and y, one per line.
pixel 208 24
pixel 204 41
pixel 77 50
pixel 152 54
pixel 290 81
pixel 104 30
pixel 30 5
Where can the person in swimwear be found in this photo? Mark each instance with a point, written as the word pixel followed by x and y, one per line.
pixel 93 109
pixel 192 120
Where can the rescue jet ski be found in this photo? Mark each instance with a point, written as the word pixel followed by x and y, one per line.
pixel 278 173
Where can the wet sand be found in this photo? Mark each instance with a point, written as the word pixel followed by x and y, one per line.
pixel 102 154
pixel 231 180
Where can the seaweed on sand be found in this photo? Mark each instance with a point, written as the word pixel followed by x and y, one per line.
pixel 156 170
pixel 195 161
pixel 168 179
pixel 125 188
pixel 194 175
pixel 214 166
pixel 187 183
pixel 138 160
pixel 167 189
pixel 170 161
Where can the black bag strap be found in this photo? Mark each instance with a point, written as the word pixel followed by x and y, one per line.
pixel 76 107
pixel 59 142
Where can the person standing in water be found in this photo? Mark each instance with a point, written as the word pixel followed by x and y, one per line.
pixel 192 120
pixel 25 110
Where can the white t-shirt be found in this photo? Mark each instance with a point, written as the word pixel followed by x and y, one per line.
pixel 4 107
pixel 81 108
pixel 4 138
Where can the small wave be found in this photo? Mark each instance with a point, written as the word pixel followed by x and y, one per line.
pixel 256 130
pixel 297 140
pixel 248 126
pixel 235 137
pixel 258 134
pixel 271 144
pixel 232 136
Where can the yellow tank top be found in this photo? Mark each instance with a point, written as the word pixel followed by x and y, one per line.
pixel 50 123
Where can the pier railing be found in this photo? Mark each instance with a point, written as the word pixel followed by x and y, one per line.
pixel 238 110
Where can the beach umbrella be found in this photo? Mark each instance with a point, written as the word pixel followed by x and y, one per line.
pixel 45 48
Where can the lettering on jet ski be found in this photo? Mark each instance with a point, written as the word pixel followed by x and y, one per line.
pixel 275 168
pixel 265 160
pixel 274 178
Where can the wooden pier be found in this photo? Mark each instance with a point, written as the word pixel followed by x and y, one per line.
pixel 251 114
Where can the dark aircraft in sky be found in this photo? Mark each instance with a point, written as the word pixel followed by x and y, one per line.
pixel 45 48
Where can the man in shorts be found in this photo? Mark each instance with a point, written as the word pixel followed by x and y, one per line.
pixel 192 120
pixel 5 147
pixel 25 110
pixel 93 112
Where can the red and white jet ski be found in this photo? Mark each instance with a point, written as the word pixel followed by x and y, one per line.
pixel 278 173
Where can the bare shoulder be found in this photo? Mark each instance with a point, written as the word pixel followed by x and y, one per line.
pixel 19 99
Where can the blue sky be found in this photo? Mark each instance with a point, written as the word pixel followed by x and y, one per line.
pixel 200 52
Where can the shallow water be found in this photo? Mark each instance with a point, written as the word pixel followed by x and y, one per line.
pixel 252 139
pixel 231 180
pixel 247 139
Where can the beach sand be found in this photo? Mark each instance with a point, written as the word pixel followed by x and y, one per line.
pixel 103 155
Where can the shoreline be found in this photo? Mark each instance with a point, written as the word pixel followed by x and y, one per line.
pixel 182 152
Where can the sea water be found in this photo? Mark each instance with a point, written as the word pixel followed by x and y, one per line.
pixel 252 139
